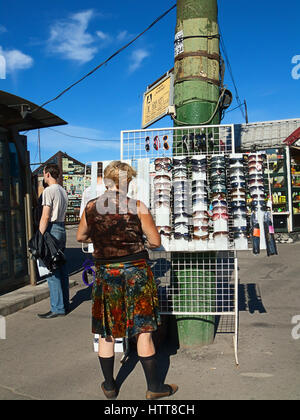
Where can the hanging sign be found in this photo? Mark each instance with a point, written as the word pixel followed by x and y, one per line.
pixel 178 44
pixel 157 100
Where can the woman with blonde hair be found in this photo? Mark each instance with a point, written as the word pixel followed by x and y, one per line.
pixel 125 301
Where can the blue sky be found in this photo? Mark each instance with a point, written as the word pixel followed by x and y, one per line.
pixel 49 45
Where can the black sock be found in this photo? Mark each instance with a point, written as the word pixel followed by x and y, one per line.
pixel 151 373
pixel 107 366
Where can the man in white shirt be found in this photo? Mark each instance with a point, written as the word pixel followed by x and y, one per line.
pixel 55 202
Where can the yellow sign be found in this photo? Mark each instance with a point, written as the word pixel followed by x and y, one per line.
pixel 157 101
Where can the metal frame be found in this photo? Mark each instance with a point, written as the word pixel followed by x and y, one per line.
pixel 133 141
pixel 182 276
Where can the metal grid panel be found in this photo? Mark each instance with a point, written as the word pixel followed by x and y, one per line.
pixel 196 283
pixel 187 141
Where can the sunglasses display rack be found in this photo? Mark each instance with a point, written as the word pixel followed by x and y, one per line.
pixel 238 204
pixel 164 142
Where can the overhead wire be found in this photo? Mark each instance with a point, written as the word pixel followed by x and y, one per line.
pixel 105 61
pixel 82 138
pixel 241 105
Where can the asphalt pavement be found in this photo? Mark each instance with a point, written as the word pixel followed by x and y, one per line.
pixel 55 360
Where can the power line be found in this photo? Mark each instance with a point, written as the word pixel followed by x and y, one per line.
pixel 82 138
pixel 241 105
pixel 106 61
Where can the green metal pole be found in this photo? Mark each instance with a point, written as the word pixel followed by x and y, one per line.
pixel 196 93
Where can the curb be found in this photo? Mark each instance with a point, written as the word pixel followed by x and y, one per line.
pixel 26 296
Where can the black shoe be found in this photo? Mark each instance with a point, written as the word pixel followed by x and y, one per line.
pixel 49 315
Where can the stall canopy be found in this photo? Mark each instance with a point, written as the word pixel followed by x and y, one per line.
pixel 22 115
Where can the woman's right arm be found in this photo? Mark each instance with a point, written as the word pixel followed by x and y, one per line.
pixel 148 226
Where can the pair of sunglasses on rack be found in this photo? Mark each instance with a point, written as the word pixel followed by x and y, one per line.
pixel 238 185
pixel 160 178
pixel 221 202
pixel 223 233
pixel 164 230
pixel 183 214
pixel 237 172
pixel 236 161
pixel 200 221
pixel 186 236
pixel 237 178
pixel 183 161
pixel 200 214
pixel 163 164
pixel 219 188
pixel 201 228
pixel 162 191
pixel 218 178
pixel 200 238
pixel 218 216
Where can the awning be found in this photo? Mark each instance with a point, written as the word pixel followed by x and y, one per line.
pixel 23 115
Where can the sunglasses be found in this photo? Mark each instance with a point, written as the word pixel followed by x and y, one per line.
pixel 196 162
pixel 181 214
pixel 200 238
pixel 238 203
pixel 201 228
pixel 159 204
pixel 178 224
pixel 166 145
pixel 240 229
pixel 162 191
pixel 200 194
pixel 162 178
pixel 220 209
pixel 202 221
pixel 257 203
pixel 240 216
pixel 234 161
pixel 238 185
pixel 163 160
pixel 257 188
pixel 236 172
pixel 237 178
pixel 218 202
pixel 200 200
pixel 200 182
pixel 164 230
pixel 256 165
pixel 241 208
pixel 201 214
pixel 220 233
pixel 258 196
pixel 220 216
pixel 163 166
pixel 218 178
pixel 198 168
pixel 219 189
pixel 185 236
pixel 259 155
pixel 238 235
pixel 183 161
pixel 147 145
pixel 199 190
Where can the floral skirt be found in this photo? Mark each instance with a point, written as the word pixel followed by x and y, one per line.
pixel 125 301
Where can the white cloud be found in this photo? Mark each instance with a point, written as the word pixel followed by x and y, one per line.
pixel 102 35
pixel 16 60
pixel 2 29
pixel 70 38
pixel 137 58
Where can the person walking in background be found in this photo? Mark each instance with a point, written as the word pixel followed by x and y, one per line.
pixel 54 202
pixel 124 297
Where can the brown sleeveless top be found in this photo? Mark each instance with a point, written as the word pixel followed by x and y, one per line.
pixel 115 228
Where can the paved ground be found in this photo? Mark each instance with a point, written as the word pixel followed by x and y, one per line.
pixel 54 359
